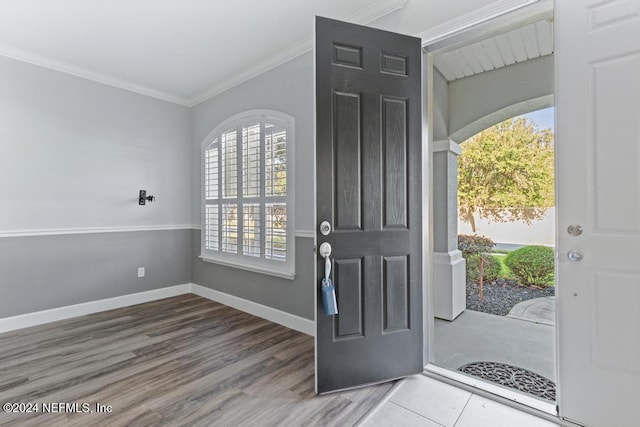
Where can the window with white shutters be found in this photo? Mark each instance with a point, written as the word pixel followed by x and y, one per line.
pixel 247 208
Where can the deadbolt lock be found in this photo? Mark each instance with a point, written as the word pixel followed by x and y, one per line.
pixel 325 228
pixel 574 229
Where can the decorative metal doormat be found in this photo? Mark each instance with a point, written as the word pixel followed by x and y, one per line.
pixel 513 377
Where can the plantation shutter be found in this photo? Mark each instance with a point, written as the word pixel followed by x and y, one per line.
pixel 245 201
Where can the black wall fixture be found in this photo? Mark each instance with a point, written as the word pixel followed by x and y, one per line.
pixel 143 198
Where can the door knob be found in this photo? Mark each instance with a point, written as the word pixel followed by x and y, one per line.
pixel 325 249
pixel 574 256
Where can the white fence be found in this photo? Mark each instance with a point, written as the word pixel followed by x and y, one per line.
pixel 539 232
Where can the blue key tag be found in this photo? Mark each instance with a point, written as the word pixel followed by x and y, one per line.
pixel 329 297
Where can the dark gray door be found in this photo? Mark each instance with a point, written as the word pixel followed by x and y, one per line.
pixel 368 100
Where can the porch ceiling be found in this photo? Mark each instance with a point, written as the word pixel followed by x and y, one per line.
pixel 521 44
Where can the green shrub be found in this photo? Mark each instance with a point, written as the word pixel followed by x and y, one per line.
pixel 490 269
pixel 532 265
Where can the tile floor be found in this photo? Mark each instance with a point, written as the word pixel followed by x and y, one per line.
pixel 423 401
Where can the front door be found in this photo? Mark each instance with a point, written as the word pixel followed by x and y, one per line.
pixel 598 147
pixel 368 163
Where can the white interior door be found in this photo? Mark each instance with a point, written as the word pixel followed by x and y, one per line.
pixel 598 148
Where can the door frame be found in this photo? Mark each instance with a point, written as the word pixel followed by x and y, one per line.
pixel 503 16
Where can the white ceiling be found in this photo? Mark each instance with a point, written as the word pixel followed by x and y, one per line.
pixel 521 44
pixel 183 51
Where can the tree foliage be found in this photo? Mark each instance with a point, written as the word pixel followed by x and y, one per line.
pixel 505 173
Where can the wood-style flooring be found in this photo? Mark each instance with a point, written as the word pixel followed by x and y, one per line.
pixel 181 361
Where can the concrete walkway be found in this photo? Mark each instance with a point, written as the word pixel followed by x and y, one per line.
pixel 537 310
pixel 476 337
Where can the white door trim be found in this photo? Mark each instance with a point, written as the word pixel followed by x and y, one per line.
pixel 478 16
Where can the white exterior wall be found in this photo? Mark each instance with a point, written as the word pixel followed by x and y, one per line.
pixel 539 232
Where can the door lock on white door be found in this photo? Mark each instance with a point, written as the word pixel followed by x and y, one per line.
pixel 574 256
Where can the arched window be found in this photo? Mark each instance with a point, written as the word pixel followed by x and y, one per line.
pixel 247 193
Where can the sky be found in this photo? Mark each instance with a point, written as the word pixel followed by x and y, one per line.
pixel 544 118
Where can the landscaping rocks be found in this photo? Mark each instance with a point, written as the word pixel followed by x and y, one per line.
pixel 500 296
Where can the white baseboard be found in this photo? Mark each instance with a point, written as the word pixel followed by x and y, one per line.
pixel 61 313
pixel 292 321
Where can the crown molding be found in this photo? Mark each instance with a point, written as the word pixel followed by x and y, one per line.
pixel 373 12
pixel 42 61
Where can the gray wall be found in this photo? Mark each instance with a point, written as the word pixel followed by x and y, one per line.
pixel 43 272
pixel 288 88
pixel 73 154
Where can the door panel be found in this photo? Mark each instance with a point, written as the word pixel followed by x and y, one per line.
pixel 615 214
pixel 395 294
pixel 394 148
pixel 609 313
pixel 368 187
pixel 349 272
pixel 598 149
pixel 347 150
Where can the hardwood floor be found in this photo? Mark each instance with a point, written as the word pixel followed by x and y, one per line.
pixel 179 361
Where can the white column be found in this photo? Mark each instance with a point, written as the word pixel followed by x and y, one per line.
pixel 449 288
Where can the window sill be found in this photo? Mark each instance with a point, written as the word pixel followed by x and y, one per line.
pixel 249 267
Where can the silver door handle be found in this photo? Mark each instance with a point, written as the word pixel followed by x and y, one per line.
pixel 325 252
pixel 329 301
pixel 574 256
pixel 325 249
